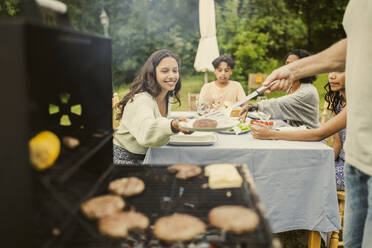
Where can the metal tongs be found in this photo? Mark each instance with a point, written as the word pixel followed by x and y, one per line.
pixel 225 113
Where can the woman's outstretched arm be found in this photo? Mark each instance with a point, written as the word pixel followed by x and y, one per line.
pixel 331 127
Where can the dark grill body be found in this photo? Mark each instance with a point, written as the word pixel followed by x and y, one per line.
pixel 47 75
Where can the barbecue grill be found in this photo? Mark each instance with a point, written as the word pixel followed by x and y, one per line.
pixel 57 79
pixel 164 195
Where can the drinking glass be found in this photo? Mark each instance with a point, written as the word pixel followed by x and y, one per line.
pixel 261 98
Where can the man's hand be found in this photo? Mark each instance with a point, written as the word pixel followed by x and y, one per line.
pixel 283 75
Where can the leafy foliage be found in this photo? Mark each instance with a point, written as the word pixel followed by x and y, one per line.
pixel 252 32
pixel 140 27
pixel 258 33
pixel 323 19
pixel 9 8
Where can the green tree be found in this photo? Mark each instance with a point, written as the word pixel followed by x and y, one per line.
pixel 140 27
pixel 252 32
pixel 258 33
pixel 323 19
pixel 9 8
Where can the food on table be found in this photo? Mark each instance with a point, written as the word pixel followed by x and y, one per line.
pixel 118 224
pixel 127 186
pixel 235 112
pixel 70 142
pixel 44 149
pixel 102 206
pixel 223 176
pixel 242 127
pixel 267 123
pixel 203 123
pixel 237 219
pixel 185 171
pixel 178 227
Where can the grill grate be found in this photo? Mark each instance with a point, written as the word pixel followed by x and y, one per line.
pixel 164 195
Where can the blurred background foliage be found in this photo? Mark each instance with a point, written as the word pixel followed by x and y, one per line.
pixel 256 33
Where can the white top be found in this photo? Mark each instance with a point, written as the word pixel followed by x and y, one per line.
pixel 299 108
pixel 142 125
pixel 358 27
pixel 220 96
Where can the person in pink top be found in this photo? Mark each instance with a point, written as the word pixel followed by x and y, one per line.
pixel 223 92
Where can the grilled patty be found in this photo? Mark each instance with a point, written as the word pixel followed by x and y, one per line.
pixel 102 206
pixel 237 219
pixel 185 171
pixel 205 123
pixel 127 186
pixel 119 224
pixel 178 227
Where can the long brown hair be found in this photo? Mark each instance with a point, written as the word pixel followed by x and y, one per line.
pixel 146 81
pixel 333 98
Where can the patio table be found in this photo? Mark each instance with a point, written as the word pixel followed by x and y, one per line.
pixel 295 180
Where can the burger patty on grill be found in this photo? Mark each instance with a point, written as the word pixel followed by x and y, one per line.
pixel 237 219
pixel 119 224
pixel 127 186
pixel 102 206
pixel 178 227
pixel 185 171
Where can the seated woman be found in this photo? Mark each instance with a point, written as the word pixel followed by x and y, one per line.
pixel 301 104
pixel 143 121
pixel 222 92
pixel 335 97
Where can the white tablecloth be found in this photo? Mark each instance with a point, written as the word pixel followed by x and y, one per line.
pixel 295 180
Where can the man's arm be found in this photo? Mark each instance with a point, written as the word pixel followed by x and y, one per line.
pixel 330 59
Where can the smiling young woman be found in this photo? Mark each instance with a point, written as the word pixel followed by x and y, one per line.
pixel 143 110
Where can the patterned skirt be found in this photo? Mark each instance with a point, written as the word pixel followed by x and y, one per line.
pixel 123 156
pixel 339 168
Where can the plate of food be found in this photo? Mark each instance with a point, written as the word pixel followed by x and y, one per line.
pixel 267 123
pixel 209 125
pixel 242 128
pixel 194 139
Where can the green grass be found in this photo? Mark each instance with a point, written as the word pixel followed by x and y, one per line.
pixel 193 84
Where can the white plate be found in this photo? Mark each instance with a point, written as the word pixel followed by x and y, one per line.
pixel 233 132
pixel 186 114
pixel 221 125
pixel 194 139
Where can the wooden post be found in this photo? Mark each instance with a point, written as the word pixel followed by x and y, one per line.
pixel 314 239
